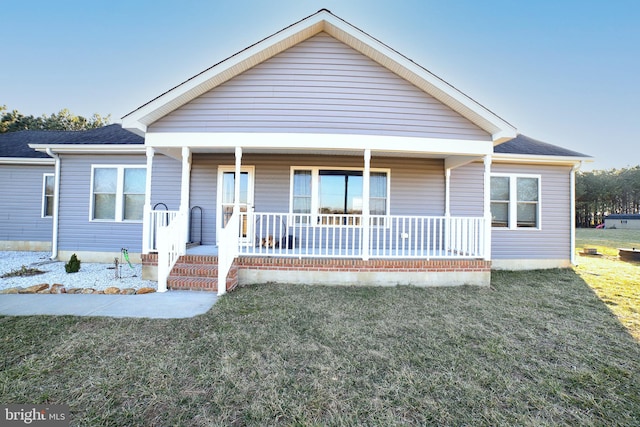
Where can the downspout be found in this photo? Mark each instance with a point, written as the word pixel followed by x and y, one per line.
pixel 56 204
pixel 572 220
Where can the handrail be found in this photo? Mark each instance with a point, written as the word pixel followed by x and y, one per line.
pixel 157 219
pixel 171 244
pixel 228 242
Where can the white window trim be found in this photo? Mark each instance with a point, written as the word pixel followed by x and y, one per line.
pixel 513 201
pixel 119 215
pixel 44 194
pixel 315 176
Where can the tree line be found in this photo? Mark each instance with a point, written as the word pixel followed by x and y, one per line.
pixel 13 121
pixel 600 193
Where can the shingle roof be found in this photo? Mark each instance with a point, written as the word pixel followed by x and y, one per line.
pixel 622 216
pixel 524 145
pixel 16 144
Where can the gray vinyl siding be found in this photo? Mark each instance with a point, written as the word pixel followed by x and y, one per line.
pixel 552 241
pixel 21 204
pixel 417 185
pixel 76 231
pixel 166 180
pixel 320 86
pixel 467 190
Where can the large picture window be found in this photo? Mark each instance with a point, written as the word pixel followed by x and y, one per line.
pixel 515 201
pixel 117 193
pixel 327 191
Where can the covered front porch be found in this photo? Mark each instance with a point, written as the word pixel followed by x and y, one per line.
pixel 245 233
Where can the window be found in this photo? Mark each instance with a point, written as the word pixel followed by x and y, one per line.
pixel 48 182
pixel 515 201
pixel 337 192
pixel 118 193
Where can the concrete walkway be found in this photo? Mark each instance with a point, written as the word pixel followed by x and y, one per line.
pixel 167 305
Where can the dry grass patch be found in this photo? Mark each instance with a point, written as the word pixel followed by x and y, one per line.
pixel 538 348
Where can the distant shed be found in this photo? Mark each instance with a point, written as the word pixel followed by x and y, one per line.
pixel 623 221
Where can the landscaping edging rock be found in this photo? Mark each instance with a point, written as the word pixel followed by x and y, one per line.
pixel 57 288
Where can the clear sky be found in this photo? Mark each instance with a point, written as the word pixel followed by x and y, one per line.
pixel 563 71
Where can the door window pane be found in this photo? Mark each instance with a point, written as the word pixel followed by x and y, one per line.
pixel 302 191
pixel 378 193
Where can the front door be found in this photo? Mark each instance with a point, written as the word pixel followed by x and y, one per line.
pixel 226 198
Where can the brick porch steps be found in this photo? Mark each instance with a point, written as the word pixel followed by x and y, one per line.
pixel 194 272
pixel 199 273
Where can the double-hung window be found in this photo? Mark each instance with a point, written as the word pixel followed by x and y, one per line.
pixel 337 194
pixel 515 201
pixel 117 192
pixel 48 182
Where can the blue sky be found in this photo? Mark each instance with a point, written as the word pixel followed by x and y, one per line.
pixel 562 71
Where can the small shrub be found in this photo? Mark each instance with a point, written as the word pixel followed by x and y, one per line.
pixel 73 266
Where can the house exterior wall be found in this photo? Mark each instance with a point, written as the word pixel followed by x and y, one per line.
pixel 76 232
pixel 548 246
pixel 416 185
pixel 320 86
pixel 22 226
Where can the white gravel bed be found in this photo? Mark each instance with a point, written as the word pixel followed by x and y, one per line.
pixel 91 275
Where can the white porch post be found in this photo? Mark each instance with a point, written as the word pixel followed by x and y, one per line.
pixel 236 189
pixel 487 207
pixel 447 192
pixel 147 233
pixel 366 193
pixel 184 193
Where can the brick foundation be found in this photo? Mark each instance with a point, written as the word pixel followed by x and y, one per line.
pixel 199 272
pixel 358 265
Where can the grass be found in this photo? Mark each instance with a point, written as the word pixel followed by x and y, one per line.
pixel 537 348
pixel 616 282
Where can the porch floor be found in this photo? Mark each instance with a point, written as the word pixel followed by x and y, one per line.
pixel 203 250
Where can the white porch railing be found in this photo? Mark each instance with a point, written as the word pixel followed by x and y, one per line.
pixel 158 219
pixel 390 236
pixel 171 244
pixel 228 242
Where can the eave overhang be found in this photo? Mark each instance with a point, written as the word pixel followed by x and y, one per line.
pixel 26 161
pixel 323 21
pixel 539 159
pixel 90 148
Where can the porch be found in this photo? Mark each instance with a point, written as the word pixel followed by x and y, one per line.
pixel 337 211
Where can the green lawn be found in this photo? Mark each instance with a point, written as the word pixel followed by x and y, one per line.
pixel 537 348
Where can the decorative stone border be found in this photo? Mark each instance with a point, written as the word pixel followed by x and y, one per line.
pixel 57 288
